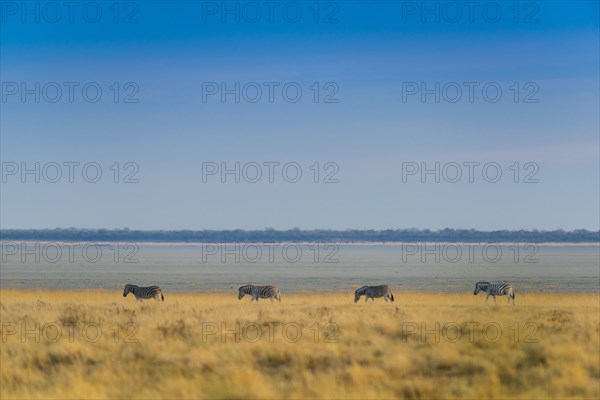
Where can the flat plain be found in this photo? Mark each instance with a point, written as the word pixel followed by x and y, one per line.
pixel 97 344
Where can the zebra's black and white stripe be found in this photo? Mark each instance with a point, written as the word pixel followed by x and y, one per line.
pixel 495 289
pixel 260 292
pixel 140 293
pixel 374 292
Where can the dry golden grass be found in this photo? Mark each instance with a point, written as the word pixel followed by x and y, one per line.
pixel 376 350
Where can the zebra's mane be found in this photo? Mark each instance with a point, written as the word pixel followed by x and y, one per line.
pixel 361 290
pixel 482 283
pixel 245 287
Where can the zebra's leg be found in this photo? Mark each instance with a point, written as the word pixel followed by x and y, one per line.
pixel 271 298
pixel 385 298
pixel 495 302
pixel 487 296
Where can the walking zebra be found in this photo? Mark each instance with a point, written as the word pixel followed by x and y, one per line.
pixel 494 289
pixel 150 292
pixel 373 292
pixel 260 292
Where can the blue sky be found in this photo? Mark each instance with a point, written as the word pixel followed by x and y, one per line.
pixel 368 57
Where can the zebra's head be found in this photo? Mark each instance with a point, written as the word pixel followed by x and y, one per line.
pixel 244 290
pixel 479 286
pixel 359 293
pixel 127 290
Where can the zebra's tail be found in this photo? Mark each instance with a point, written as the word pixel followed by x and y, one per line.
pixel 162 296
pixel 392 297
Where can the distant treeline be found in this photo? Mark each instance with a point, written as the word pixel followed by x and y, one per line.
pixel 298 235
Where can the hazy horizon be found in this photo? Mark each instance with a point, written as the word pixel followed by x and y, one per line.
pixel 298 228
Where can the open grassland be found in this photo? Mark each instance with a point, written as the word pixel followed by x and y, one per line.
pixel 97 344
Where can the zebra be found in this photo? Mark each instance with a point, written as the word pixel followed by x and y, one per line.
pixel 373 292
pixel 140 293
pixel 260 292
pixel 495 289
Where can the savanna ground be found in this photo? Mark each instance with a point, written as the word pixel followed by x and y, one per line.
pixel 100 345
